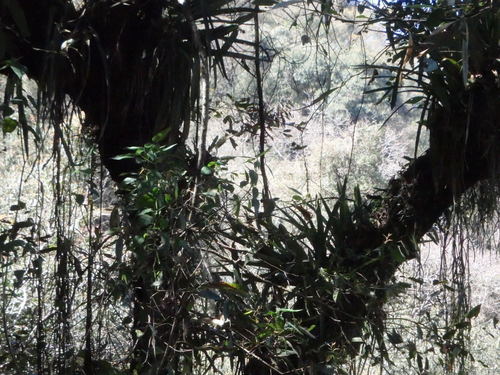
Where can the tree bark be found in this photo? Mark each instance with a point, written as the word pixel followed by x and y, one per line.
pixel 412 203
pixel 129 71
pixel 124 66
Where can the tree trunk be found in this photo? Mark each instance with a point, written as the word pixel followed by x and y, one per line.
pixel 413 202
pixel 129 72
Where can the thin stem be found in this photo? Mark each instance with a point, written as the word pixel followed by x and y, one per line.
pixel 262 122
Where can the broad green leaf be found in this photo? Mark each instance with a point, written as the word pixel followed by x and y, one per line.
pixel 24 224
pixel 6 109
pixel 79 198
pixel 253 177
pixel 18 69
pixel 160 136
pixel 394 337
pixel 19 206
pixel 474 312
pixel 449 334
pixel 206 171
pixel 9 125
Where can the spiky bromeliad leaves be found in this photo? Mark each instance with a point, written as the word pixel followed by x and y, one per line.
pixel 463 118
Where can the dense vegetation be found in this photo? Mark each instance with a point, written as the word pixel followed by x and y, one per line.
pixel 182 262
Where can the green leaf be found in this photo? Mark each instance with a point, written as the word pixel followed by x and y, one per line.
pixel 7 110
pixel 394 337
pixel 449 334
pixel 138 333
pixel 23 224
pixel 18 69
pixel 207 171
pixel 122 157
pixel 416 280
pixel 144 219
pixel 19 206
pixel 253 177
pixel 473 312
pixel 396 253
pixel 9 125
pixel 415 99
pixel 280 310
pixel 79 198
pixel 160 136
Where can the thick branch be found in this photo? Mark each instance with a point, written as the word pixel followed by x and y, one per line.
pixel 126 68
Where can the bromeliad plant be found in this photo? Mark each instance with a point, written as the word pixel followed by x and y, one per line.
pixel 219 273
pixel 300 295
